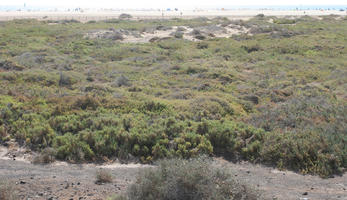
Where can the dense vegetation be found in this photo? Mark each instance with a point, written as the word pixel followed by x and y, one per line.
pixel 276 96
pixel 195 179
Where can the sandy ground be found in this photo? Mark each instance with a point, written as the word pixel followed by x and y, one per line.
pixel 87 16
pixel 142 37
pixel 61 180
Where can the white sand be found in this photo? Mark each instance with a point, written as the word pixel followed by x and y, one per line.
pixel 87 16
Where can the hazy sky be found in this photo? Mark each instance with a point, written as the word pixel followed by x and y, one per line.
pixel 165 3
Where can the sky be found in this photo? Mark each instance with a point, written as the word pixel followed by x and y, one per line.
pixel 163 3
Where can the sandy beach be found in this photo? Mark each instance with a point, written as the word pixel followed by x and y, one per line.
pixel 103 15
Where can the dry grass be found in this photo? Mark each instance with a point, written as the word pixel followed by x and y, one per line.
pixel 7 191
pixel 103 176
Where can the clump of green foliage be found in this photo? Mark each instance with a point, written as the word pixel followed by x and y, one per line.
pixel 275 96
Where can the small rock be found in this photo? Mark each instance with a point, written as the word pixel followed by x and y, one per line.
pixel 22 182
pixel 78 183
pixel 305 193
pixel 54 176
pixel 248 172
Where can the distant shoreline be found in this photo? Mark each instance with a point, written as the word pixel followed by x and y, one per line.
pixel 28 7
pixel 104 15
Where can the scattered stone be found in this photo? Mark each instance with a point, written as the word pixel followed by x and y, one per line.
pixel 22 182
pixel 305 193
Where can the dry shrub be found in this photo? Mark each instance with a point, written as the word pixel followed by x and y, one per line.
pixel 7 191
pixel 103 176
pixel 46 156
pixel 195 179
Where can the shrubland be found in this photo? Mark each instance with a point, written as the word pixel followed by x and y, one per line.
pixel 276 95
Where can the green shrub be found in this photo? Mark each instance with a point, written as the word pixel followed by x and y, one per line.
pixel 285 21
pixel 70 148
pixel 192 145
pixel 233 140
pixel 306 152
pixel 210 108
pixel 152 106
pixel 87 102
pixel 41 136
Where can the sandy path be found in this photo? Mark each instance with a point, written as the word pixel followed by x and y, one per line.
pixel 288 185
pixel 67 181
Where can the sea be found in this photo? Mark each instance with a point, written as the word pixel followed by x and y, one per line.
pixel 225 7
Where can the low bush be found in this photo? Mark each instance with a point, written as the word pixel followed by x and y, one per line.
pixel 45 157
pixel 125 16
pixel 103 176
pixel 233 140
pixel 70 148
pixel 307 152
pixel 285 21
pixel 194 179
pixel 122 81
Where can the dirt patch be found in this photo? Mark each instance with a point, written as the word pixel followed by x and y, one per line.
pixel 61 180
pixel 148 34
pixel 288 185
